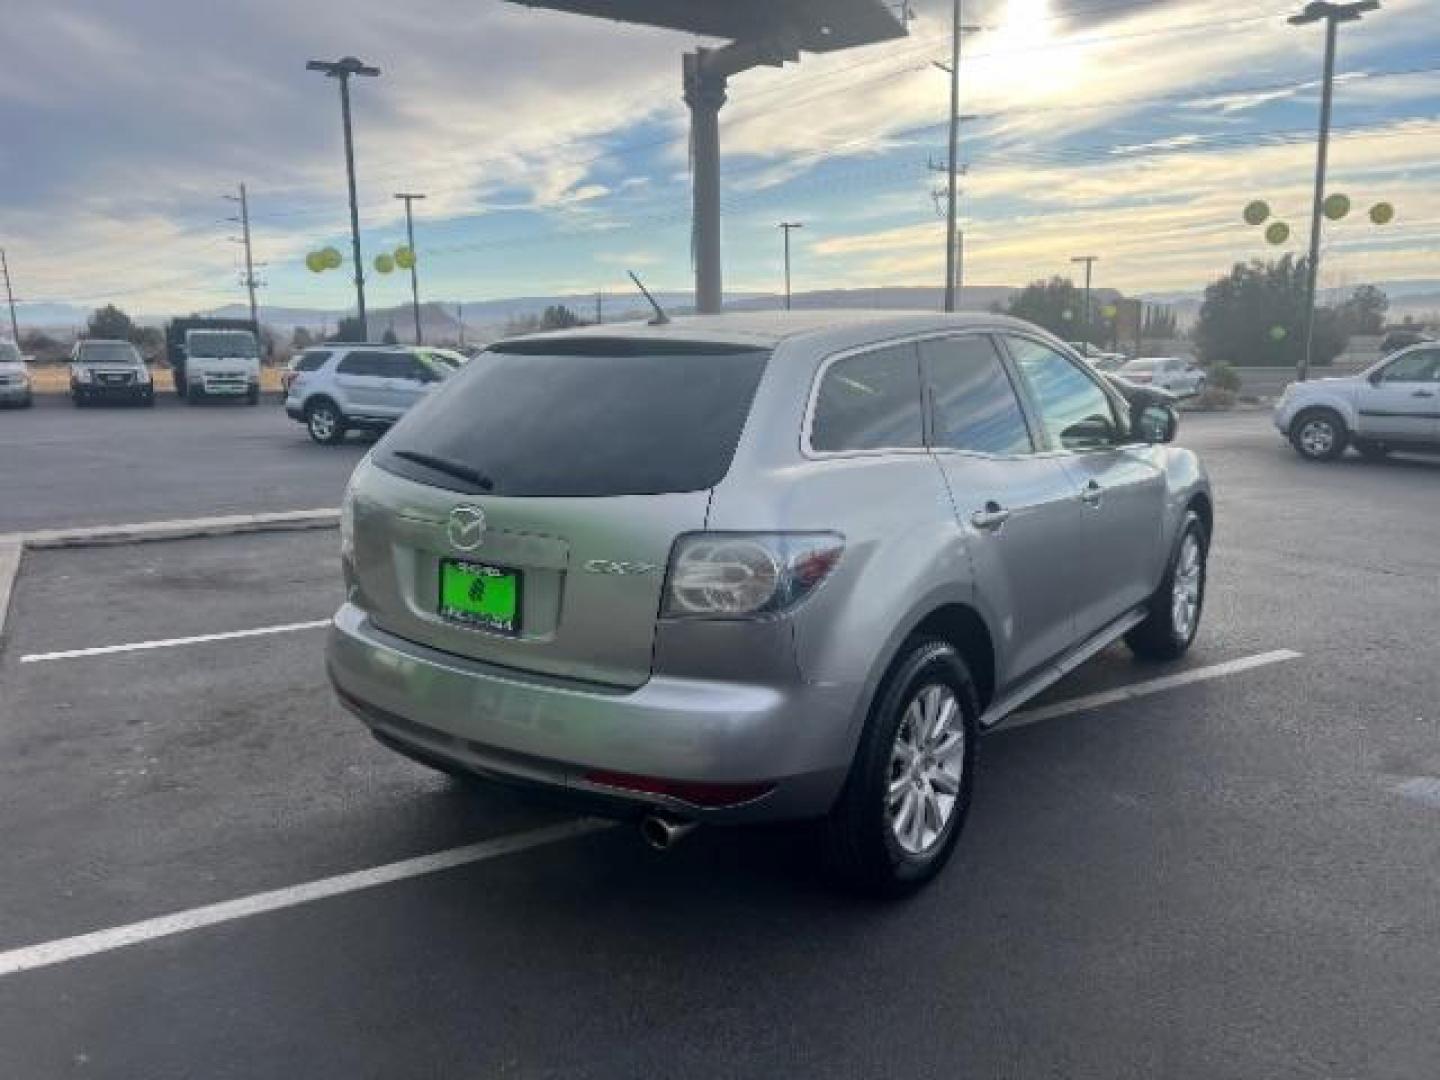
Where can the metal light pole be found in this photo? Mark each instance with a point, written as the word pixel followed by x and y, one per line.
pixel 1089 261
pixel 785 227
pixel 341 70
pixel 1333 15
pixel 10 296
pixel 410 242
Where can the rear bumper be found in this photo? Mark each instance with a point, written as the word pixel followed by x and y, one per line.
pixel 535 730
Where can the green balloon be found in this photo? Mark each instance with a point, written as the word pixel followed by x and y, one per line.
pixel 331 257
pixel 404 257
pixel 1257 213
pixel 315 261
pixel 1337 206
pixel 1277 233
pixel 1067 315
pixel 1278 333
pixel 1382 213
pixel 384 264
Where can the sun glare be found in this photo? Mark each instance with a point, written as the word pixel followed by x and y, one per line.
pixel 1026 22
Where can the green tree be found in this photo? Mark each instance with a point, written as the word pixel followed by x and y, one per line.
pixel 1160 324
pixel 1255 316
pixel 558 317
pixel 1058 306
pixel 1364 312
pixel 149 340
pixel 109 323
pixel 348 329
pixel 301 339
pixel 389 338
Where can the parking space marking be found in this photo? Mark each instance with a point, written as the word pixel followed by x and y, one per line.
pixel 170 643
pixel 1143 689
pixel 1424 789
pixel 63 950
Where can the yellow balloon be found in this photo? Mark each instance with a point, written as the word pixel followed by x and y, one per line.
pixel 1382 213
pixel 331 257
pixel 1257 213
pixel 315 261
pixel 404 257
pixel 384 264
pixel 1278 233
pixel 1109 311
pixel 1278 333
pixel 1337 206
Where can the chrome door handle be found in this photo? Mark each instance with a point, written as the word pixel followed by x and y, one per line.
pixel 1091 494
pixel 991 518
pixel 1424 393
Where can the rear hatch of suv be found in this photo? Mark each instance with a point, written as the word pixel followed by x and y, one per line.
pixel 524 515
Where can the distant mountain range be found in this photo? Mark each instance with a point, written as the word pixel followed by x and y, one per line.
pixel 483 320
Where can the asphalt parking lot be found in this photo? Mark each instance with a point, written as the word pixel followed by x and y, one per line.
pixel 62 466
pixel 1231 873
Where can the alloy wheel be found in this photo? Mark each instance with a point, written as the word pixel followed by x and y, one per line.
pixel 927 765
pixel 1185 592
pixel 1317 437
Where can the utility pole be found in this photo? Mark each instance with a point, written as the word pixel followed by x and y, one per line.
pixel 1333 15
pixel 460 318
pixel 957 30
pixel 250 282
pixel 785 227
pixel 341 70
pixel 1089 261
pixel 599 307
pixel 10 296
pixel 410 197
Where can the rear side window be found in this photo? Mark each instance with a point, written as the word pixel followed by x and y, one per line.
pixel 313 360
pixel 869 401
pixel 975 404
pixel 363 363
pixel 582 417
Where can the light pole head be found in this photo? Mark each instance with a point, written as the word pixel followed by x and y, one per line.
pixel 1323 9
pixel 342 68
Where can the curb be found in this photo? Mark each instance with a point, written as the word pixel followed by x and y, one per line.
pixel 13 545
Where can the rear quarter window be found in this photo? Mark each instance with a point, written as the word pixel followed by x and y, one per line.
pixel 584 417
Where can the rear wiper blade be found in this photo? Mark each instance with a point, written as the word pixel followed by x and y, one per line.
pixel 457 469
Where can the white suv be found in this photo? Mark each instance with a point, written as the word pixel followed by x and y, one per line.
pixel 340 387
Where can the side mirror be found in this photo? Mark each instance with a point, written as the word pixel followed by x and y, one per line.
pixel 1156 423
pixel 1376 378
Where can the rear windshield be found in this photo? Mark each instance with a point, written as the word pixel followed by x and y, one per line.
pixel 108 352
pixel 582 417
pixel 221 343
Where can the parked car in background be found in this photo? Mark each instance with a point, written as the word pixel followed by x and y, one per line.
pixel 368 387
pixel 449 357
pixel 15 386
pixel 1098 358
pixel 309 360
pixel 761 566
pixel 109 371
pixel 1393 405
pixel 1181 377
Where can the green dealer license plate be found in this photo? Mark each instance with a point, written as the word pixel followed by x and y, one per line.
pixel 478 595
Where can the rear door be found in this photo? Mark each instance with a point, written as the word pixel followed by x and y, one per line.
pixel 1118 485
pixel 1016 508
pixel 557 474
pixel 1403 403
pixel 360 376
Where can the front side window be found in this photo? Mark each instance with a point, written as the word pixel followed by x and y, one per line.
pixel 1076 413
pixel 975 405
pixel 1422 365
pixel 361 363
pixel 869 401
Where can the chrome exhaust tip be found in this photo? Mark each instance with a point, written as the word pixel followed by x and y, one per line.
pixel 663 833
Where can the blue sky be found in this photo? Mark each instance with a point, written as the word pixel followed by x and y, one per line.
pixel 553 150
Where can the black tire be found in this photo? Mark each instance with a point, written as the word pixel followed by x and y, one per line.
pixel 148 401
pixel 194 394
pixel 325 432
pixel 859 843
pixel 77 399
pixel 252 396
pixel 1319 434
pixel 1371 451
pixel 1161 636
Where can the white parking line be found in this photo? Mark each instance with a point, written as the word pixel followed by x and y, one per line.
pixel 101 941
pixel 170 643
pixel 1142 689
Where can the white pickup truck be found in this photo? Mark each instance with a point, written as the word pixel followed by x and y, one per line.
pixel 222 363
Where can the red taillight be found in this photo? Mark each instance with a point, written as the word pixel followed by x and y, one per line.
pixel 694 793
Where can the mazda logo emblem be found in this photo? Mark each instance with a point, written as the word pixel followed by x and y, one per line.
pixel 466 528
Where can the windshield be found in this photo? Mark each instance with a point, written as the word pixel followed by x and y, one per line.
pixel 1142 365
pixel 9 354
pixel 582 417
pixel 108 352
pixel 221 343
